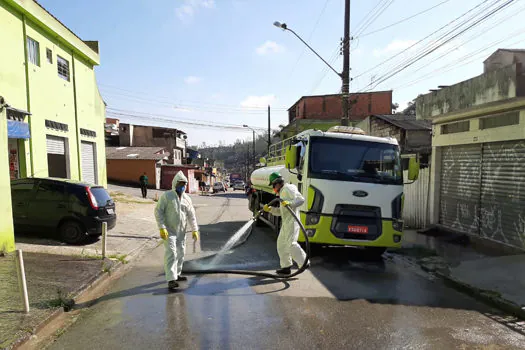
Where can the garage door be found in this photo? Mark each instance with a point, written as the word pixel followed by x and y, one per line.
pixel 503 192
pixel 57 163
pixel 88 162
pixel 56 145
pixel 460 188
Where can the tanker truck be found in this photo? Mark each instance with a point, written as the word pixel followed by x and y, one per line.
pixel 352 184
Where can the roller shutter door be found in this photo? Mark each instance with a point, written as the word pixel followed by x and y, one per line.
pixel 88 162
pixel 502 214
pixel 56 145
pixel 460 188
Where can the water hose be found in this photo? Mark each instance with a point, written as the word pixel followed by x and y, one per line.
pixel 258 273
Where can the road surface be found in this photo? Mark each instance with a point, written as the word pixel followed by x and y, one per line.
pixel 345 301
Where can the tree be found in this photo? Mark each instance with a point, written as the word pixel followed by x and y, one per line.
pixel 395 106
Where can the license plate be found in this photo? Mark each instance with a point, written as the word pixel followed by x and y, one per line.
pixel 358 229
pixel 110 211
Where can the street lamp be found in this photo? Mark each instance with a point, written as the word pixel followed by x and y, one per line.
pixel 253 142
pixel 344 75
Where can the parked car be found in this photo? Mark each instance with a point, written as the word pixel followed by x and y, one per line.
pixel 239 185
pixel 219 187
pixel 73 210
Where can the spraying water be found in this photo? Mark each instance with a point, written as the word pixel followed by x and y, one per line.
pixel 230 244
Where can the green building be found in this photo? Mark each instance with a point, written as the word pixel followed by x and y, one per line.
pixel 51 112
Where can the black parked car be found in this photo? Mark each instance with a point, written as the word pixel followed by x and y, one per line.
pixel 73 210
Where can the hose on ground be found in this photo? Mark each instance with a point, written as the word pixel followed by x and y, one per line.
pixel 258 273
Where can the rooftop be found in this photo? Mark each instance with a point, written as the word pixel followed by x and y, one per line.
pixel 145 153
pixel 407 122
pixel 329 95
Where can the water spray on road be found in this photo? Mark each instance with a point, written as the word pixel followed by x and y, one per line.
pixel 233 241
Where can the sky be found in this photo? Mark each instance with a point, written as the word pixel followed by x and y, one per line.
pixel 208 67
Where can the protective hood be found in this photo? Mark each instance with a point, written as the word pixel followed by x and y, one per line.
pixel 178 177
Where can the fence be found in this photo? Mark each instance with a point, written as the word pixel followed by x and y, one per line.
pixel 415 211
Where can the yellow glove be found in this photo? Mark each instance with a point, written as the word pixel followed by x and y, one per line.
pixel 163 233
pixel 267 208
pixel 195 235
pixel 285 203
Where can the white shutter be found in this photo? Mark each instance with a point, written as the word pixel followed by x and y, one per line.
pixel 56 145
pixel 460 188
pixel 88 162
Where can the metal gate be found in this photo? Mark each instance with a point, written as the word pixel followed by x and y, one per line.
pixel 503 192
pixel 56 145
pixel 88 162
pixel 460 188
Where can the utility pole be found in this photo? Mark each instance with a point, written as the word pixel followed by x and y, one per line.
pixel 254 157
pixel 345 76
pixel 269 132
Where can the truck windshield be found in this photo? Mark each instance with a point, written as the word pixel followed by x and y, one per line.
pixel 354 160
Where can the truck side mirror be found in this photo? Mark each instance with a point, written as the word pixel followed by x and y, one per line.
pixel 290 158
pixel 413 169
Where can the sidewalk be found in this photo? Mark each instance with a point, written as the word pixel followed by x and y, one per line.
pixel 57 273
pixel 496 277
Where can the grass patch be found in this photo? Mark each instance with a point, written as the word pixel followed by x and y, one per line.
pixel 119 257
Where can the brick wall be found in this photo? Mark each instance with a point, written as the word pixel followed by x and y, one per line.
pixel 129 170
pixel 329 106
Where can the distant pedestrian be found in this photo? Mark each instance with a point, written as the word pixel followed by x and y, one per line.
pixel 202 186
pixel 144 185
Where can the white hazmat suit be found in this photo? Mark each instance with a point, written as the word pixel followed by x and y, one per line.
pixel 287 245
pixel 177 216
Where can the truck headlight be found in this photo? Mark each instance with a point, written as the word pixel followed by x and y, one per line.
pixel 312 219
pixel 397 225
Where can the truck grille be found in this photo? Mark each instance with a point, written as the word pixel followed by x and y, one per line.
pixel 346 216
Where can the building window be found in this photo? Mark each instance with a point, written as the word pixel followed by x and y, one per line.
pixel 453 128
pixel 33 51
pixel 49 55
pixel 63 68
pixel 496 121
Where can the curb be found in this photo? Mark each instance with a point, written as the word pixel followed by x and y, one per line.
pixel 484 295
pixel 479 294
pixel 94 281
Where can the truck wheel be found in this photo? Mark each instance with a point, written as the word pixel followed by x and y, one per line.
pixel 72 232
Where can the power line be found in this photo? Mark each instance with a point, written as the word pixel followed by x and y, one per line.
pixel 473 37
pixel 424 54
pixel 421 40
pixel 401 21
pixel 139 94
pixel 309 38
pixel 184 106
pixel 169 119
pixel 364 19
pixel 376 16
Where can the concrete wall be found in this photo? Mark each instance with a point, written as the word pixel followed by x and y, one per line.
pixel 418 140
pixel 503 58
pixel 38 89
pixel 129 170
pixel 7 237
pixel 490 87
pixel 330 107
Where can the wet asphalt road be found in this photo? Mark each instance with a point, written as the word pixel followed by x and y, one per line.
pixel 345 301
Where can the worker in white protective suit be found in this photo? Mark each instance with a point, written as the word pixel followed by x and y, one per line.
pixel 175 216
pixel 287 245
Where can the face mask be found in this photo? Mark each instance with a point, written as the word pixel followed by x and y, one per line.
pixel 180 189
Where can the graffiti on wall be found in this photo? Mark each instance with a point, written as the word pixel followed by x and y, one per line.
pixel 482 191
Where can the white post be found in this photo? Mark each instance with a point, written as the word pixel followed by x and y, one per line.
pixel 104 238
pixel 22 279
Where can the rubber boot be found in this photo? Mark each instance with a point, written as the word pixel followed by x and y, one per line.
pixel 284 271
pixel 173 285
